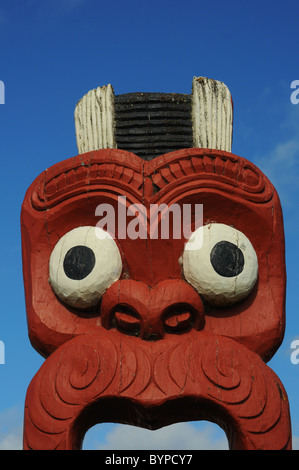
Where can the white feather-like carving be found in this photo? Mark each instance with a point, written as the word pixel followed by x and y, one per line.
pixel 94 120
pixel 212 114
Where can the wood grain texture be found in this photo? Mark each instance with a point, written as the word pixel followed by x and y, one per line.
pixel 212 114
pixel 152 124
pixel 94 120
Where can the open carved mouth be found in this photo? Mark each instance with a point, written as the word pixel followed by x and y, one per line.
pixel 197 376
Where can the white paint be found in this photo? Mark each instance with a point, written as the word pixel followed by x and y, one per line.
pixel 86 292
pixel 212 114
pixel 94 120
pixel 199 272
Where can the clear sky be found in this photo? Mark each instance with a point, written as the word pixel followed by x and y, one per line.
pixel 52 52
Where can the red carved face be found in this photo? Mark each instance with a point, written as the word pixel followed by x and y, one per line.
pixel 156 289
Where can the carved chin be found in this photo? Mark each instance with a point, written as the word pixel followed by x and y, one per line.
pixel 96 379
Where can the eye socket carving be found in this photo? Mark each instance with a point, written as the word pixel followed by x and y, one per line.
pixel 220 263
pixel 83 264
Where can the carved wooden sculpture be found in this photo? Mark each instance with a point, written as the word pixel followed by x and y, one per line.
pixel 152 331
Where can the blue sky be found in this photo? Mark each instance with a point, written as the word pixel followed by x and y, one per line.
pixel 52 52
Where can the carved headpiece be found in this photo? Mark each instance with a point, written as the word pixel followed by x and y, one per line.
pixel 152 124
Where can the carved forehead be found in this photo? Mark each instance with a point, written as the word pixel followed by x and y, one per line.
pixel 165 177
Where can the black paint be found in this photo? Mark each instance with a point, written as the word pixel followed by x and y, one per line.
pixel 151 124
pixel 78 262
pixel 227 259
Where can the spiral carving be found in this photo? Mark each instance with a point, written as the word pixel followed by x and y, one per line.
pixel 224 367
pixel 211 369
pixel 226 373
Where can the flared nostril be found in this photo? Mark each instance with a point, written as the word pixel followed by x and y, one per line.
pixel 126 320
pixel 181 318
pixel 178 321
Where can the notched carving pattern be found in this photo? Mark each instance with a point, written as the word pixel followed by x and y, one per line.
pixel 90 172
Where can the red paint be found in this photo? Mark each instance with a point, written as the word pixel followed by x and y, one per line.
pixel 152 321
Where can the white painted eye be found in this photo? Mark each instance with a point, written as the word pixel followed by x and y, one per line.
pixel 83 264
pixel 220 263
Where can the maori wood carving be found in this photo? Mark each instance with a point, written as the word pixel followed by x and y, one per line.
pixel 145 331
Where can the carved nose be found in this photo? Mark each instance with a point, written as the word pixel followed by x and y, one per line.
pixel 134 308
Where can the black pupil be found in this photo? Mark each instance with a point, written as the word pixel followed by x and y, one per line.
pixel 79 262
pixel 227 259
